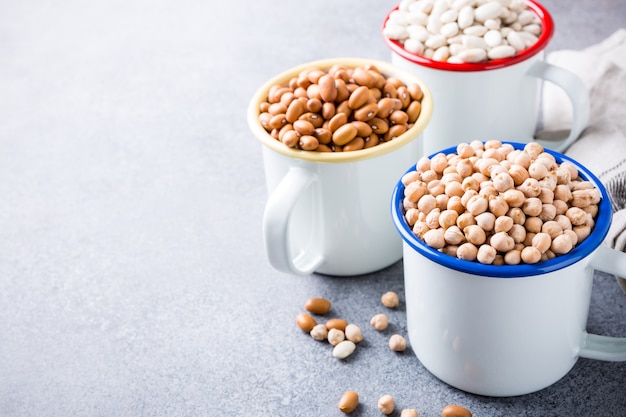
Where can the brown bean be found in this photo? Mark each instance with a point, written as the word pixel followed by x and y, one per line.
pixel 308 143
pixel 344 134
pixel 455 411
pixel 328 110
pixel 363 77
pixel 324 136
pixel 306 322
pixel 290 138
pixel 371 141
pixel 337 121
pixel 348 402
pixel 379 126
pixel 413 111
pixel 339 324
pixel 354 145
pixel 366 112
pixel 314 105
pixel 399 117
pixel 362 128
pixel 277 121
pixel 328 89
pixel 359 97
pixel 304 127
pixel 295 110
pixel 395 131
pixel 317 305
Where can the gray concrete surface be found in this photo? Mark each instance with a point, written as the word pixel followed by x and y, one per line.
pixel 133 280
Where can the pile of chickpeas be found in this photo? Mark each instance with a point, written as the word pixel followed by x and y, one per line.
pixel 494 204
pixel 340 109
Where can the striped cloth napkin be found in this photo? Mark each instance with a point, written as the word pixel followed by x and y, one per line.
pixel 602 146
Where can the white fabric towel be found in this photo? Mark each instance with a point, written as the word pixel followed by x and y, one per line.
pixel 602 146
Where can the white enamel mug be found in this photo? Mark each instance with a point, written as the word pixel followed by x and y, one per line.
pixel 497 99
pixel 511 329
pixel 328 212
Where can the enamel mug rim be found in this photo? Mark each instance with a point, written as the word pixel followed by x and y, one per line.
pixel 546 34
pixel 386 68
pixel 581 251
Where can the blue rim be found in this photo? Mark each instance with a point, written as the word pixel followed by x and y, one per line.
pixel 595 239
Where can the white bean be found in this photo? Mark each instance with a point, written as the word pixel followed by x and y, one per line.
pixel 493 38
pixel 501 51
pixel 489 10
pixel 473 55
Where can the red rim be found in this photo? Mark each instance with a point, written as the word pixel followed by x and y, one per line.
pixel 545 36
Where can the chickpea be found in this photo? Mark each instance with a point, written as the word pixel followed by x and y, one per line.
pixel 319 332
pixel 439 162
pixel 503 181
pixel 548 212
pixel 442 202
pixel 426 203
pixel 530 187
pixel 560 207
pixel 423 164
pixel 454 188
pixel 537 170
pixel 379 322
pixel 420 229
pixel 517 215
pixel 453 235
pixel 465 198
pixel 533 149
pixel 454 203
pixel 501 242
pixel 353 333
pixel 513 257
pixel 514 198
pixel 561 244
pixel 503 224
pixel 335 336
pixel 576 215
pixel 533 224
pixel 546 195
pixel 582 231
pixel 464 220
pixel 519 174
pixel 542 241
pixel 531 207
pixel 517 233
pixel 397 343
pixel 486 254
pixel 448 218
pixel 467 251
pixel 470 183
pixel 562 192
pixel 429 175
pixel 477 204
pixel 531 255
pixel 409 178
pixel 386 404
pixel 498 206
pixel 465 150
pixel 436 187
pixel 552 228
pixel 390 299
pixel 486 221
pixel 475 234
pixel 409 412
pixel 449 250
pixel 432 218
pixel 415 190
pixel 434 238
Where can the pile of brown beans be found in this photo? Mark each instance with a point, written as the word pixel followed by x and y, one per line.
pixel 340 109
pixel 494 204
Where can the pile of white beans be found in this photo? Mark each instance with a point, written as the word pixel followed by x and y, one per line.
pixel 463 31
pixel 494 204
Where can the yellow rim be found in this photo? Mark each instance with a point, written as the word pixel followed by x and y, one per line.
pixel 386 68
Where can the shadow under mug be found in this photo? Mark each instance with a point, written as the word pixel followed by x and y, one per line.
pixel 506 330
pixel 497 99
pixel 328 212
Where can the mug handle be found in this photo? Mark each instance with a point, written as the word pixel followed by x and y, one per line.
pixel 594 346
pixel 578 95
pixel 278 210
